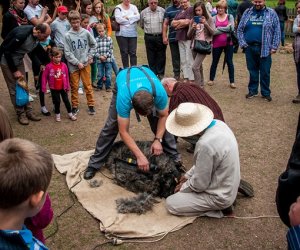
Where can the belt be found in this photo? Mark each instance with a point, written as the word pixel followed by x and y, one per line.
pixel 146 34
pixel 255 44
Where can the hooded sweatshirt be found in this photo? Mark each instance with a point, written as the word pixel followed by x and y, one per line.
pixel 80 46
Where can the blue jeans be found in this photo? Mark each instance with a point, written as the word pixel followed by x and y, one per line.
pixel 115 66
pixel 104 69
pixel 259 70
pixel 216 54
pixel 282 32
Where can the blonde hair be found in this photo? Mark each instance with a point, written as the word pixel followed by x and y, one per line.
pixel 222 4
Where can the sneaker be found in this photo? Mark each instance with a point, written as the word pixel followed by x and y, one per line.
pixel 45 111
pixel 92 110
pixel 72 117
pixel 210 83
pixel 232 85
pixel 30 98
pixel 267 98
pixel 80 91
pixel 98 88
pixel 108 90
pixel 75 111
pixel 250 95
pixel 22 119
pixel 296 99
pixel 48 91
pixel 57 118
pixel 33 117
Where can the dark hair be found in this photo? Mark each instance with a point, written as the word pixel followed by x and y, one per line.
pixel 204 11
pixel 143 102
pixel 84 16
pixel 85 3
pixel 6 131
pixel 25 169
pixel 42 27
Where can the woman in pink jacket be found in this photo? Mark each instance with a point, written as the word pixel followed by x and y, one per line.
pixel 57 76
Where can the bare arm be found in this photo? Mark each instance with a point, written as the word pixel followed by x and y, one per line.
pixel 164 31
pixel 142 161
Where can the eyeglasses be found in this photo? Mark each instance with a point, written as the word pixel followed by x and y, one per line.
pixel 154 3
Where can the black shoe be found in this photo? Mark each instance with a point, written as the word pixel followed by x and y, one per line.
pixel 267 98
pixel 91 110
pixel 246 188
pixel 250 95
pixel 75 111
pixel 46 113
pixel 89 173
pixel 228 211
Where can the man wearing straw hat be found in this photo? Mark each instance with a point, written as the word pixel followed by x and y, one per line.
pixel 210 187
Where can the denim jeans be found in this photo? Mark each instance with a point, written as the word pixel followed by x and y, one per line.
pixel 216 54
pixel 259 70
pixel 104 69
pixel 298 76
pixel 282 32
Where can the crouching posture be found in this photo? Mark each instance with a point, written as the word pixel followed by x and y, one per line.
pixel 211 185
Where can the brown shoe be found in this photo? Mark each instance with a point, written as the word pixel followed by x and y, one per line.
pixel 31 116
pixel 22 119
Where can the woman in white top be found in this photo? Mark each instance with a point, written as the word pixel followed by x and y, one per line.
pixel 127 15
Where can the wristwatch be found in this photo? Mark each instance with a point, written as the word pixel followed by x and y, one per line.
pixel 159 139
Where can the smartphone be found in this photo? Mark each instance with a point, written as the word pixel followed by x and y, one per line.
pixel 197 19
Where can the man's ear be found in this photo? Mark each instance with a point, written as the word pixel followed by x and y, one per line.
pixel 35 199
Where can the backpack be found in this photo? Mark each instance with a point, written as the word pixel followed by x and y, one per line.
pixel 114 25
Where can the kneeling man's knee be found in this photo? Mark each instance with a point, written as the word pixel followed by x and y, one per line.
pixel 171 205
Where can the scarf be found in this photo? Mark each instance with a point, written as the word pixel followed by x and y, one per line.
pixel 19 15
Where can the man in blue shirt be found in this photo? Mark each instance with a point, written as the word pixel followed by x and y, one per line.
pixel 137 88
pixel 170 39
pixel 259 34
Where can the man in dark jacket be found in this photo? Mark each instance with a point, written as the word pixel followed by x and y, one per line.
pixel 18 42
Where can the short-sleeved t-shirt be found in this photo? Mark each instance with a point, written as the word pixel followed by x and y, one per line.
pixel 170 13
pixel 138 82
pixel 33 12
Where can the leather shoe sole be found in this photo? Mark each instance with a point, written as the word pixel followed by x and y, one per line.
pixel 89 173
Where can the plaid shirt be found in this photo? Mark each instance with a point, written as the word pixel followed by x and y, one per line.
pixel 270 31
pixel 104 48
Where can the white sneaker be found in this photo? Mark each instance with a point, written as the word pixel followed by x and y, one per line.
pixel 72 117
pixel 80 91
pixel 57 117
pixel 48 91
pixel 210 83
pixel 30 98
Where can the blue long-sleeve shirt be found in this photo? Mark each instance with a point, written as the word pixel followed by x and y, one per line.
pixel 270 31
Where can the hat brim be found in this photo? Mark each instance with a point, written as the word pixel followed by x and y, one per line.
pixel 206 117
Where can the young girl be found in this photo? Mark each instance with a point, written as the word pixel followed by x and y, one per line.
pixel 100 17
pixel 57 75
pixel 201 30
pixel 296 45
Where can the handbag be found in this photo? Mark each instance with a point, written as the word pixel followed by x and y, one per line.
pixel 114 25
pixel 22 96
pixel 202 47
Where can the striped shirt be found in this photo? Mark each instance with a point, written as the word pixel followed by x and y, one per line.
pixel 270 31
pixel 188 92
pixel 293 238
pixel 170 13
pixel 151 21
pixel 104 48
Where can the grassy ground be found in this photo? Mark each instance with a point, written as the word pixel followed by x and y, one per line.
pixel 265 133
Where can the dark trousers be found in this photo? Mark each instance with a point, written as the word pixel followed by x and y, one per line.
pixel 259 70
pixel 56 94
pixel 298 76
pixel 156 53
pixel 110 131
pixel 127 47
pixel 216 54
pixel 175 58
pixel 282 35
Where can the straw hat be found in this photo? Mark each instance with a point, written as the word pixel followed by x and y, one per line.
pixel 189 119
